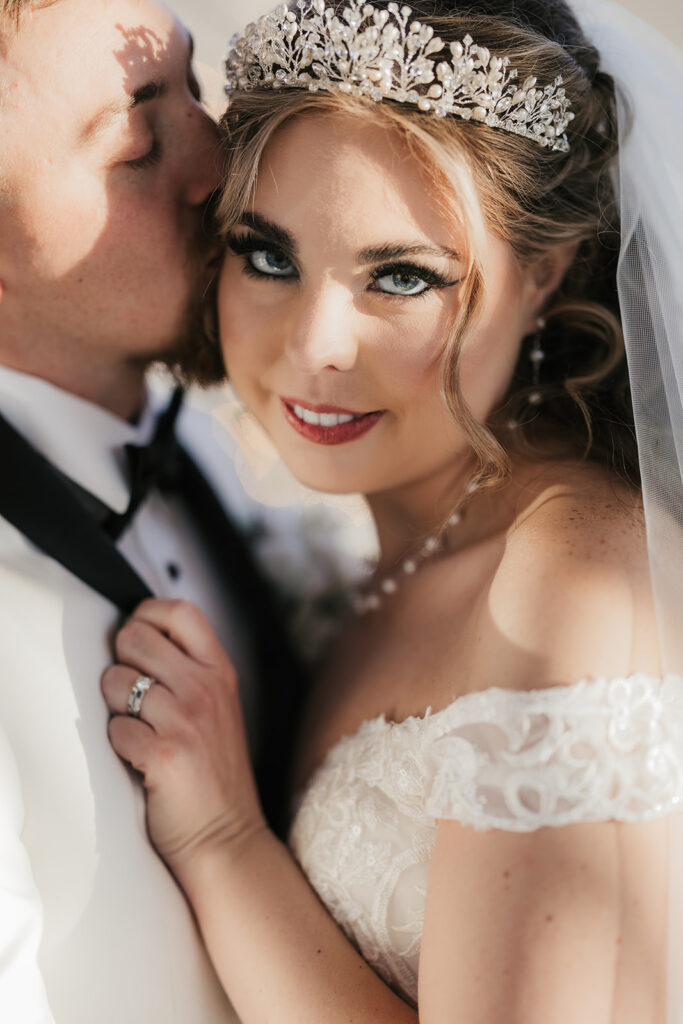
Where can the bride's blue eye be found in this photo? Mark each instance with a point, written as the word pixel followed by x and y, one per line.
pixel 401 283
pixel 408 280
pixel 259 259
pixel 270 263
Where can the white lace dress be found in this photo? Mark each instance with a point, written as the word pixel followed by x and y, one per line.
pixel 365 825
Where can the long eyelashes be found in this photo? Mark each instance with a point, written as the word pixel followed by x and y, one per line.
pixel 149 159
pixel 245 245
pixel 416 271
pixel 155 153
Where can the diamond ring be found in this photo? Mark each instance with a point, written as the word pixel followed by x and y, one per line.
pixel 137 694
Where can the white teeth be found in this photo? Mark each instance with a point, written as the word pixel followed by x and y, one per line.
pixel 325 419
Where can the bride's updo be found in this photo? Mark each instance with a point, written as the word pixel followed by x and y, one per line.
pixel 532 197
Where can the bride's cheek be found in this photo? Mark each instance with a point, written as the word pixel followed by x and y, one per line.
pixel 411 355
pixel 250 337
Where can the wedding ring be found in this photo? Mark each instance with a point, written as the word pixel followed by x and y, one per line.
pixel 137 694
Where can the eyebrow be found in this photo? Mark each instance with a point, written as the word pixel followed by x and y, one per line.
pixel 155 89
pixel 386 253
pixel 152 90
pixel 371 254
pixel 269 231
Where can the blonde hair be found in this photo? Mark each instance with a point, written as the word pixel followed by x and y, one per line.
pixel 532 198
pixel 11 13
pixel 12 10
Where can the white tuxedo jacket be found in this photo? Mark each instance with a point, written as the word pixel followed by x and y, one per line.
pixel 93 929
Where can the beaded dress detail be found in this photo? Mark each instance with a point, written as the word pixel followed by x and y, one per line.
pixel 365 825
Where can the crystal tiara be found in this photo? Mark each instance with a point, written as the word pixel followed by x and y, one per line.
pixel 379 53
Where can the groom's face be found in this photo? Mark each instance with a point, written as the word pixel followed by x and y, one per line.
pixel 107 162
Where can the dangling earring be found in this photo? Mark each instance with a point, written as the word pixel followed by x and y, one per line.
pixel 536 357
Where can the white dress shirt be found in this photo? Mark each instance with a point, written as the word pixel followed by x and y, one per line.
pixel 93 929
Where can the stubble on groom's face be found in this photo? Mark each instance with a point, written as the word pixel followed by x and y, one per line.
pixel 109 161
pixel 196 357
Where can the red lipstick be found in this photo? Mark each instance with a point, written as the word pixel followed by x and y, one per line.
pixel 328 424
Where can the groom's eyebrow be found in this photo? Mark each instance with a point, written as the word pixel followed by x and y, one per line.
pixel 154 89
pixel 108 115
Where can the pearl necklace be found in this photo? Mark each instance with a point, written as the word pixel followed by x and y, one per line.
pixel 372 599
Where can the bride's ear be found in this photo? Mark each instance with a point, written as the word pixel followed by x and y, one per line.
pixel 544 276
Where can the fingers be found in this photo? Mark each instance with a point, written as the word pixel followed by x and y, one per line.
pixel 185 625
pixel 157 704
pixel 189 742
pixel 133 740
pixel 142 647
pixel 195 693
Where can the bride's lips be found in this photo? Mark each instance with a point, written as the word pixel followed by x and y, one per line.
pixel 328 424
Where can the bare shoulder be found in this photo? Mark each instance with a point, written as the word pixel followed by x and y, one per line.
pixel 571 597
pixel 578 518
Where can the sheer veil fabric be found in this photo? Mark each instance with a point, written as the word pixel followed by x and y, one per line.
pixel 649 73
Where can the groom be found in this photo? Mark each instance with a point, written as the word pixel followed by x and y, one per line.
pixel 108 163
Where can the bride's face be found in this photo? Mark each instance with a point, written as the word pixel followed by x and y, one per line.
pixel 335 302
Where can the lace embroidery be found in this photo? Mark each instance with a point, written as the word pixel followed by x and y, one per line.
pixel 365 827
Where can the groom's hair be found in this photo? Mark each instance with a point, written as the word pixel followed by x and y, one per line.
pixel 12 10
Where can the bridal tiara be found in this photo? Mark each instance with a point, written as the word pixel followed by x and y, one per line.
pixel 381 54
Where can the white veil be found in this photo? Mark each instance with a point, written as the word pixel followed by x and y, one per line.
pixel 649 73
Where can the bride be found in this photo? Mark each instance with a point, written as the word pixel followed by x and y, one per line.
pixel 418 302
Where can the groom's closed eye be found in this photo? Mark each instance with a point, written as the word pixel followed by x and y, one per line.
pixel 154 89
pixel 115 111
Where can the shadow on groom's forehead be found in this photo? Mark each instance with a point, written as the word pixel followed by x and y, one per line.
pixel 142 53
pixel 143 59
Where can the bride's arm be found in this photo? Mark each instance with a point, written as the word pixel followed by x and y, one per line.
pixel 563 925
pixel 567 923
pixel 278 953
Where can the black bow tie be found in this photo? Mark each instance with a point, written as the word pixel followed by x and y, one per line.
pixel 156 464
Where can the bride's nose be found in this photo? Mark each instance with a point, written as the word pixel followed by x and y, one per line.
pixel 323 332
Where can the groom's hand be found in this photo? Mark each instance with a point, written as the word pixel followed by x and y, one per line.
pixel 189 741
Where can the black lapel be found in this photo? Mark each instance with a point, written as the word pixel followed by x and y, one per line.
pixel 282 676
pixel 39 501
pixel 46 507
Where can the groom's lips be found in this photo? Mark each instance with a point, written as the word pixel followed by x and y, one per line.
pixel 340 433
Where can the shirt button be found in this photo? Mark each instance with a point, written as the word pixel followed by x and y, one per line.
pixel 173 570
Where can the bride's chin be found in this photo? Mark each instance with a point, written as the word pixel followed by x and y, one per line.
pixel 325 483
pixel 334 470
pixel 309 469
pixel 327 479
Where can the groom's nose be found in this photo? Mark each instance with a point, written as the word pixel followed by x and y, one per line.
pixel 202 159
